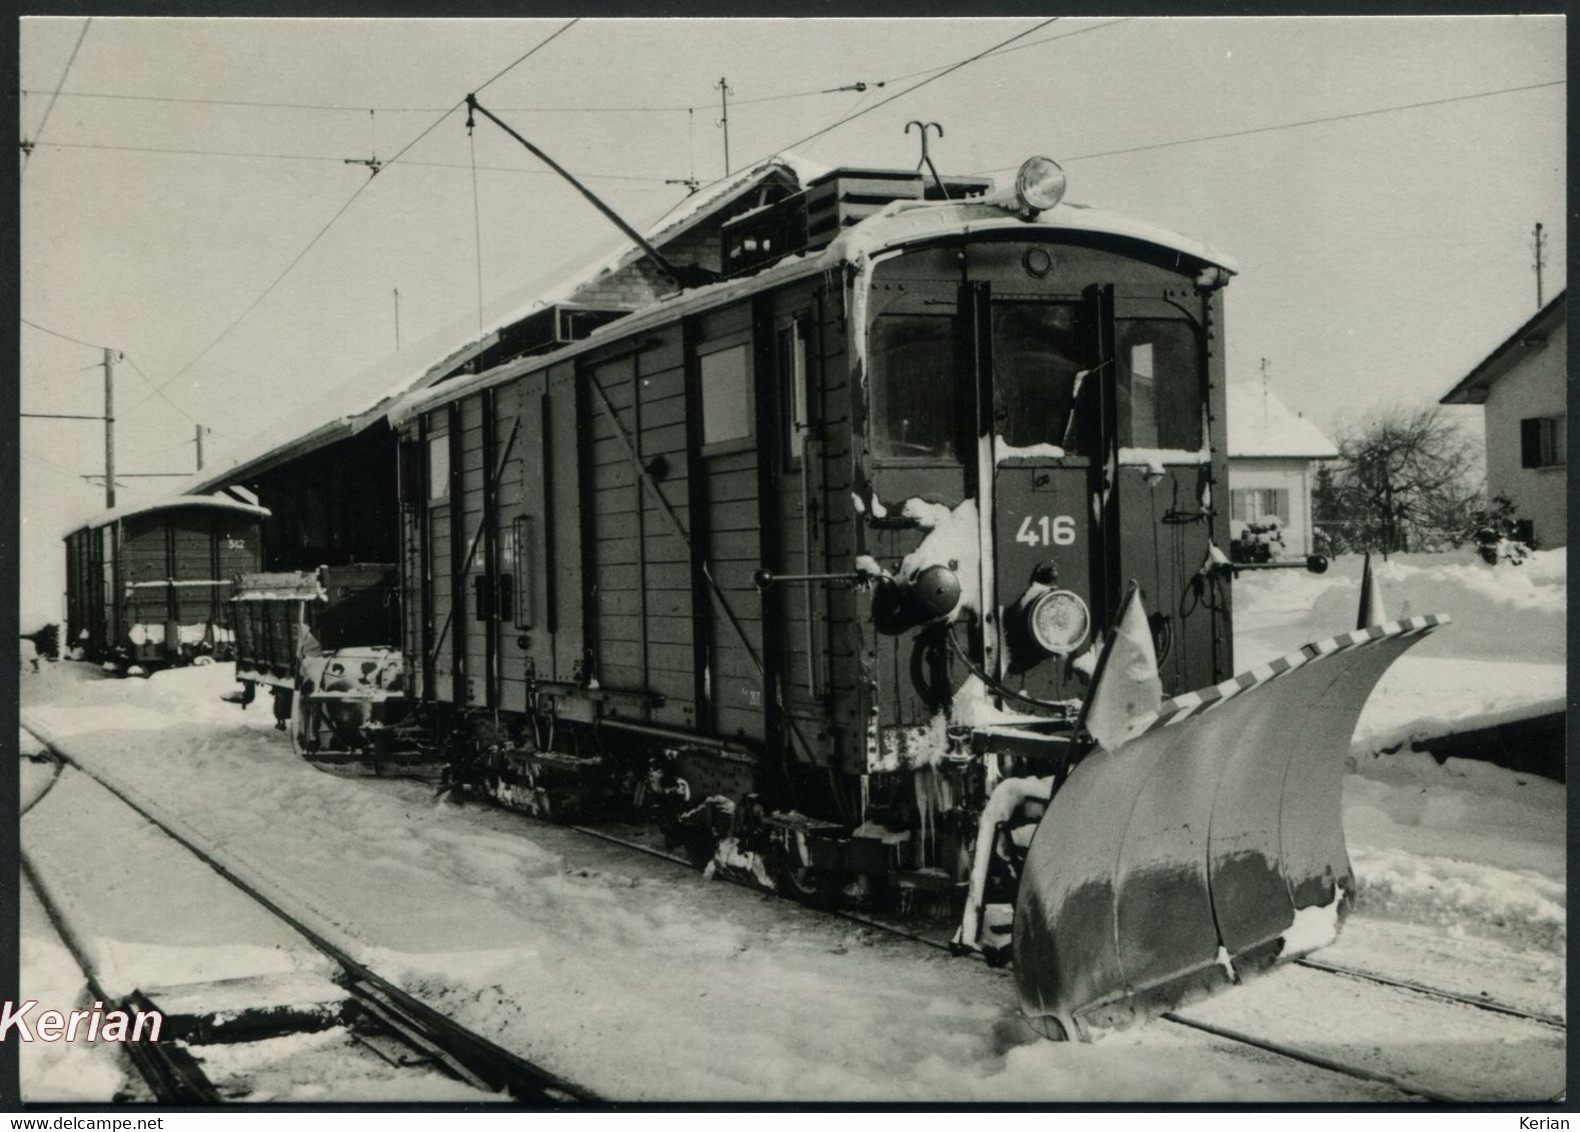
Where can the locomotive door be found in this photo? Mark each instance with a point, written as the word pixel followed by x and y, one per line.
pixel 794 626
pixel 441 435
pixel 1047 423
pixel 1165 507
pixel 726 529
pixel 517 549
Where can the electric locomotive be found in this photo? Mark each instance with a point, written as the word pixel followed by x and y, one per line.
pixel 818 562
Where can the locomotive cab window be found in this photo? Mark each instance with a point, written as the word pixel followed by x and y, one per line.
pixel 1037 372
pixel 791 348
pixel 438 467
pixel 725 377
pixel 1160 391
pixel 917 392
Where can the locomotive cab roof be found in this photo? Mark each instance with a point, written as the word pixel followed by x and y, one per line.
pixel 895 224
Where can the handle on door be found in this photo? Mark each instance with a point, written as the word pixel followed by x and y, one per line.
pixel 506 596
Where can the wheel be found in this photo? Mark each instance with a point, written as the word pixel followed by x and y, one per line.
pixel 812 886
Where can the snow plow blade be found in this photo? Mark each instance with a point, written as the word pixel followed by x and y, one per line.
pixel 1202 850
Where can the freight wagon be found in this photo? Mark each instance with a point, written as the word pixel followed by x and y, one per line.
pixel 149 585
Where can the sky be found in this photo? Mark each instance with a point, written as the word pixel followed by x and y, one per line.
pixel 1382 255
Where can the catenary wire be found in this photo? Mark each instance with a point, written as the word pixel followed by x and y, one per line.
pixel 64 337
pixel 311 244
pixel 49 109
pixel 109 96
pixel 645 109
pixel 953 67
pixel 334 160
pixel 168 399
pixel 1294 125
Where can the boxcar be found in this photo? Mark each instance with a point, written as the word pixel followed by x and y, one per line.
pixel 150 584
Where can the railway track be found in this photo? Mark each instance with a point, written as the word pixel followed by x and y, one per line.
pixel 397 1027
pixel 527 1083
pixel 1293 1050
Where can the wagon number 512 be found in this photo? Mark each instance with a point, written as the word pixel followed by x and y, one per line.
pixel 1044 530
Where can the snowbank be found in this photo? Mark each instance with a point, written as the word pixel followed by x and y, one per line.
pixel 1502 612
pixel 60 1071
pixel 1466 846
pixel 628 975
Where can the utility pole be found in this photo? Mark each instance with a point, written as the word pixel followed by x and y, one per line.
pixel 724 102
pixel 199 446
pixel 397 320
pixel 109 427
pixel 1538 242
pixel 1264 391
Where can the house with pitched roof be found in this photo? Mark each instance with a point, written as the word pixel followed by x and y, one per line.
pixel 1522 386
pixel 1273 455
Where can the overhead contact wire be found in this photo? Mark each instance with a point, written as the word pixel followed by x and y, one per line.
pixel 949 70
pixel 1297 125
pixel 50 108
pixel 311 244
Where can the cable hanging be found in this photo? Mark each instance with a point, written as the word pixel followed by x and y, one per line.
pixel 1292 125
pixel 311 244
pixel 477 215
pixel 28 146
pixel 914 86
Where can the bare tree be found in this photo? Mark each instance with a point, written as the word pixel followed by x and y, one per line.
pixel 1405 480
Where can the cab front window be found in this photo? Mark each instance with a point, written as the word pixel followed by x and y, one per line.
pixel 916 388
pixel 1160 394
pixel 1037 374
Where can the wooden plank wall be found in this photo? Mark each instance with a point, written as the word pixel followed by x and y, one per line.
pixel 467 630
pixel 413 578
pixel 847 608
pixel 616 593
pixel 510 501
pixel 441 585
pixel 730 542
pixel 145 557
pixel 643 607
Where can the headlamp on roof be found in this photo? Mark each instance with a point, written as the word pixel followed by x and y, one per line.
pixel 1038 186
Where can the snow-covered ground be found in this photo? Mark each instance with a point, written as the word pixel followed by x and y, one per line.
pixel 642 981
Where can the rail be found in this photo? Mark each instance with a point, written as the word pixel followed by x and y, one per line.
pixel 493 1065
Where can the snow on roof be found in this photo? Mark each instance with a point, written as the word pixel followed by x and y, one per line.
pixel 1262 425
pixel 898 223
pixel 357 402
pixel 904 222
pixel 172 503
pixel 1533 334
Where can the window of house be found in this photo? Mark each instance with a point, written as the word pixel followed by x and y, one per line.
pixel 1541 442
pixel 1258 504
pixel 438 467
pixel 726 395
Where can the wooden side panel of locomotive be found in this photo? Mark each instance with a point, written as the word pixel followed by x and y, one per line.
pixel 643 630
pixel 581 541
